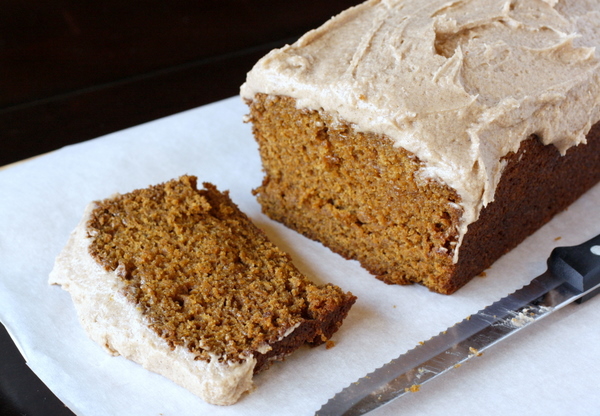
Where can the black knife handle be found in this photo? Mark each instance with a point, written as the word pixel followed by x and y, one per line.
pixel 579 266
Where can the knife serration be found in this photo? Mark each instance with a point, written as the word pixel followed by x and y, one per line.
pixel 573 274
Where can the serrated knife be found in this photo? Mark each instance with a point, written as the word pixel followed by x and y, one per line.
pixel 573 274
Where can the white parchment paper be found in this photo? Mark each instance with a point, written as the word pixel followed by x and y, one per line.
pixel 552 367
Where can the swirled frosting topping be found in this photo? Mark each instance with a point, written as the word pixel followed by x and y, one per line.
pixel 458 83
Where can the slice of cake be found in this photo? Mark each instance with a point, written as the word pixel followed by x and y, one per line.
pixel 182 282
pixel 427 139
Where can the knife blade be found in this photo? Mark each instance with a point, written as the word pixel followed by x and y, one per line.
pixel 573 275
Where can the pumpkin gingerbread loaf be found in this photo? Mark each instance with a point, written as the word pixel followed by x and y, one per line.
pixel 181 281
pixel 427 139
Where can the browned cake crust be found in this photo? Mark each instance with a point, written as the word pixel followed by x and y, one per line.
pixel 360 196
pixel 537 183
pixel 206 278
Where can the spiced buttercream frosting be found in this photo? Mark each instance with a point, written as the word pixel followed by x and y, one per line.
pixel 460 84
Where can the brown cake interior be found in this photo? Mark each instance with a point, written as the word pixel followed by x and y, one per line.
pixel 206 278
pixel 360 196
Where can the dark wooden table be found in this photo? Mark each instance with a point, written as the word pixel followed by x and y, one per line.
pixel 73 70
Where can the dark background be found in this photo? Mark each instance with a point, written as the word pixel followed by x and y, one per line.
pixel 72 70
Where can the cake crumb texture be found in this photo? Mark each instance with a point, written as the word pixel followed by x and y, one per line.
pixel 355 192
pixel 367 199
pixel 206 278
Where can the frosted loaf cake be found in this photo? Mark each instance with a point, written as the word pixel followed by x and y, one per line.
pixel 428 138
pixel 179 280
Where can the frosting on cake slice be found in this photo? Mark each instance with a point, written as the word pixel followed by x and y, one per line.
pixel 180 281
